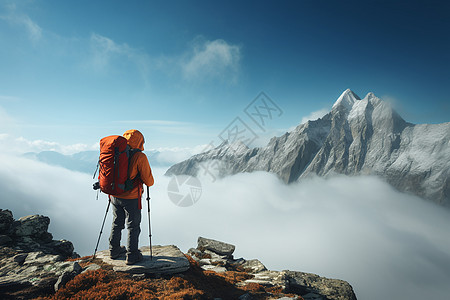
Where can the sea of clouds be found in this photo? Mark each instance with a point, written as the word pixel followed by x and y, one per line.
pixel 386 244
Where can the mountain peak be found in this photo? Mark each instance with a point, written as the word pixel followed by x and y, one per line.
pixel 346 100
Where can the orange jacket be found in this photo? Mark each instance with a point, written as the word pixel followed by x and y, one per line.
pixel 138 165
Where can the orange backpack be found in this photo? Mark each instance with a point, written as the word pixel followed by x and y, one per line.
pixel 113 164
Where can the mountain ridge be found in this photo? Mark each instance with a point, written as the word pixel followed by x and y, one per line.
pixel 357 137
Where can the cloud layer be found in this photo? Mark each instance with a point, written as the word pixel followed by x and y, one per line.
pixel 11 144
pixel 386 244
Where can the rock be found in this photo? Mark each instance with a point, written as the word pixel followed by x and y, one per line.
pixel 254 266
pixel 309 286
pixel 27 243
pixel 269 278
pixel 5 240
pixel 6 220
pixel 20 258
pixel 204 261
pixel 246 296
pixel 29 234
pixel 216 269
pixel 312 296
pixel 166 260
pixel 215 246
pixel 63 247
pixel 34 258
pixel 139 276
pixel 32 226
pixel 305 283
pixel 214 256
pixel 36 268
pixel 91 267
pixel 194 252
pixel 62 280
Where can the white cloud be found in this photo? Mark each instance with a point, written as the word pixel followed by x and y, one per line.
pixel 13 17
pixel 357 229
pixel 106 51
pixel 315 115
pixel 34 30
pixel 212 59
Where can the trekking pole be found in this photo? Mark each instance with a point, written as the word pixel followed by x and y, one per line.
pixel 101 230
pixel 149 227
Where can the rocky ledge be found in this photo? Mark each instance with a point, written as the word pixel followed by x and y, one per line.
pixel 165 260
pixel 29 257
pixel 32 264
pixel 217 256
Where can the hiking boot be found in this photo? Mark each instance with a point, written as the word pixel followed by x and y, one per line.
pixel 133 258
pixel 118 252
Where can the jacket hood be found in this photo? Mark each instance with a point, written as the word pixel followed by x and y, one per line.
pixel 135 139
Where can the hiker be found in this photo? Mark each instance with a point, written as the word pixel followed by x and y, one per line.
pixel 128 205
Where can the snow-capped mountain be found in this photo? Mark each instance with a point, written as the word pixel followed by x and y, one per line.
pixel 358 137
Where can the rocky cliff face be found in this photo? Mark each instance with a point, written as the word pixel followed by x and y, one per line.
pixel 32 265
pixel 358 137
pixel 31 262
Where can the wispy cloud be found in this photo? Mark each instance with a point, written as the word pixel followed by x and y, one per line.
pixel 215 59
pixel 16 18
pixel 315 115
pixel 105 53
pixel 105 49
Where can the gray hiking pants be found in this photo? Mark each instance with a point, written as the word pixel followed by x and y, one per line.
pixel 125 209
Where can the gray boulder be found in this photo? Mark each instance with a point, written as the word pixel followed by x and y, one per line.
pixel 6 221
pixel 253 266
pixel 215 246
pixel 35 226
pixel 166 260
pixel 310 284
pixel 5 240
pixel 30 234
pixel 34 269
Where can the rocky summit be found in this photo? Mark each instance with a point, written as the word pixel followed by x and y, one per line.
pixel 163 260
pixel 32 265
pixel 357 137
pixel 211 256
pixel 30 260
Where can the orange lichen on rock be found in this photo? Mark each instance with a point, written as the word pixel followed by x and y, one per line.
pixel 194 284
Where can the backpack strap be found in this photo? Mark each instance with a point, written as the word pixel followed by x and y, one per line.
pixel 131 183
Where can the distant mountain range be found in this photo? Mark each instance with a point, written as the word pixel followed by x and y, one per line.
pixel 85 161
pixel 357 137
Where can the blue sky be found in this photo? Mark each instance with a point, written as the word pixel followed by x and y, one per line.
pixel 181 71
